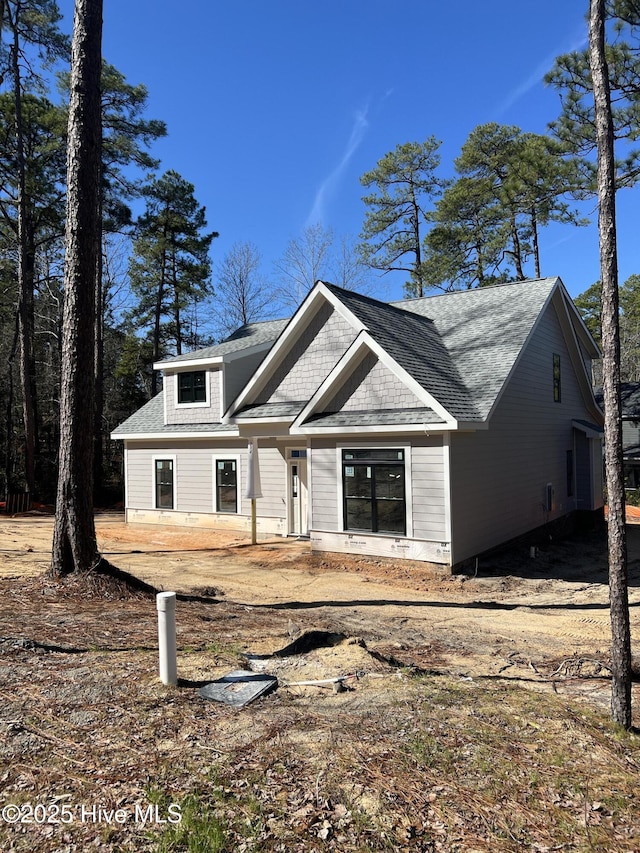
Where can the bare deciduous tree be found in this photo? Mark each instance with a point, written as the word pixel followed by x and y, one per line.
pixel 242 294
pixel 346 268
pixel 305 260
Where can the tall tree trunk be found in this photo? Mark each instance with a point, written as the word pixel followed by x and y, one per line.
pixel 156 329
pixel 98 440
pixel 25 277
pixel 157 320
pixel 618 593
pixel 536 247
pixel 9 444
pixel 517 250
pixel 176 303
pixel 74 539
pixel 417 248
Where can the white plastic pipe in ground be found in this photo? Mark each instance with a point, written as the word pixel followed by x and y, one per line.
pixel 166 604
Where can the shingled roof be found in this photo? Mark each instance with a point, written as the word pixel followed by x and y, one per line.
pixel 414 342
pixel 250 335
pixel 460 347
pixel 384 417
pixel 484 331
pixel 149 420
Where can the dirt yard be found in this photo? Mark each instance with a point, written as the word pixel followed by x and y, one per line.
pixel 420 655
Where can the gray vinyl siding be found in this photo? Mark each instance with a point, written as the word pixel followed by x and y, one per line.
pixel 273 477
pixel 194 473
pixel 176 414
pixel 324 486
pixel 499 476
pixel 428 489
pixel 427 484
pixel 140 474
pixel 631 434
pixel 237 373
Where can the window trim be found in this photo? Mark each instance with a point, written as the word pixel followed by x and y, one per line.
pixel 164 457
pixel 227 457
pixel 408 494
pixel 296 453
pixel 176 391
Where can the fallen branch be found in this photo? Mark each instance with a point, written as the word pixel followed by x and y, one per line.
pixel 575 663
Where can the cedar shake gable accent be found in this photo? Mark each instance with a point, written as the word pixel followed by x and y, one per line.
pixel 415 344
pixel 314 340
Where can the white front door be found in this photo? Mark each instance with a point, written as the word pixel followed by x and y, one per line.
pixel 297 497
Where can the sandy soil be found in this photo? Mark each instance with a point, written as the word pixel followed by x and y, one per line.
pixel 544 620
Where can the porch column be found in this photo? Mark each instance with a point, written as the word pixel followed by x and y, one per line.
pixel 254 490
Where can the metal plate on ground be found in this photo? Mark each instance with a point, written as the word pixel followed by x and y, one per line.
pixel 239 687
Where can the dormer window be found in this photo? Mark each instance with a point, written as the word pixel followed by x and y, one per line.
pixel 192 387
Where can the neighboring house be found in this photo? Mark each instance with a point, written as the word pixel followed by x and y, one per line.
pixel 431 429
pixel 630 401
pixel 630 397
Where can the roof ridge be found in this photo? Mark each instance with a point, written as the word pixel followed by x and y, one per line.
pixel 370 300
pixel 250 325
pixel 484 289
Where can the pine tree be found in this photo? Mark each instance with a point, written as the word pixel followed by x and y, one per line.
pixel 28 25
pixel 74 538
pixel 170 268
pixel 571 75
pixel 464 247
pixel 405 184
pixel 33 221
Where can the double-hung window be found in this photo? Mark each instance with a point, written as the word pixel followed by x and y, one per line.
pixel 226 485
pixel 192 387
pixel 163 481
pixel 373 488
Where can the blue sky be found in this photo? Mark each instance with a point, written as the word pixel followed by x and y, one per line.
pixel 276 107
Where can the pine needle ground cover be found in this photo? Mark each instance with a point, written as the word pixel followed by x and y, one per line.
pixel 406 757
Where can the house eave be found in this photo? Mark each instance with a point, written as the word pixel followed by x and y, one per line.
pixel 172 436
pixel 386 429
pixel 212 360
pixel 423 428
pixel 257 421
pixel 189 364
pixel 590 430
